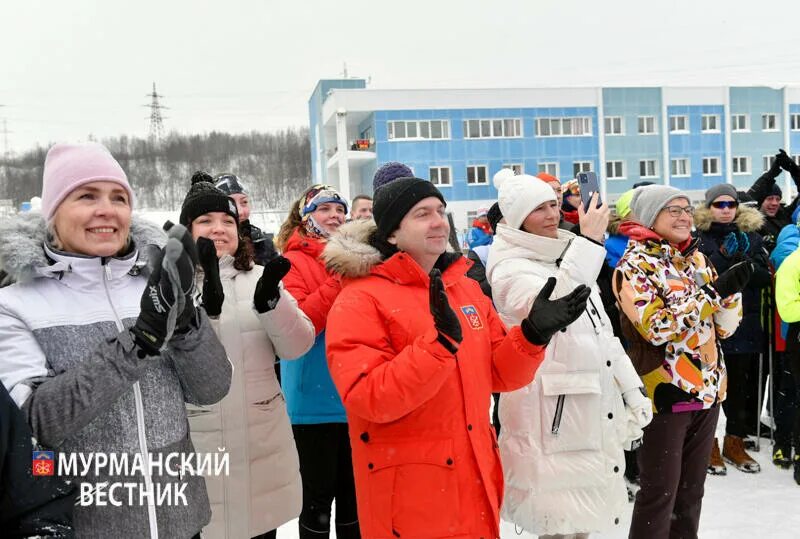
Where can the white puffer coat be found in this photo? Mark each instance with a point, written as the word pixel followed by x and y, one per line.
pixel 562 436
pixel 263 489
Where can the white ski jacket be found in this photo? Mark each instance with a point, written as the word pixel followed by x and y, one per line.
pixel 562 436
pixel 263 489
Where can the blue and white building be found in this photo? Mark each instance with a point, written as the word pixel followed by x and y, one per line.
pixel 691 138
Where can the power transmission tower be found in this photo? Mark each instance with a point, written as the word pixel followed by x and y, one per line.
pixel 156 120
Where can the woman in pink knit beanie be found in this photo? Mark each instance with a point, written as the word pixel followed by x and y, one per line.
pixel 101 346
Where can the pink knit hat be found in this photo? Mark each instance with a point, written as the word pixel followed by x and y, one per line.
pixel 68 166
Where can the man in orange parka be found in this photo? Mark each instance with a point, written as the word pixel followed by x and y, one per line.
pixel 415 350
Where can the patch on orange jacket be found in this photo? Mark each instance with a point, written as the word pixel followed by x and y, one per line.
pixel 473 318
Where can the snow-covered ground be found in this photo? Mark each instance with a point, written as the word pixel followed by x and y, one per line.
pixel 765 505
pixel 739 505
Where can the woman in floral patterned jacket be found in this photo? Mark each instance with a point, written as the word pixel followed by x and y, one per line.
pixel 674 309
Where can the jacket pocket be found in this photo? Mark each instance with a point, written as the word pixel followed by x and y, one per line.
pixel 203 418
pixel 570 411
pixel 413 488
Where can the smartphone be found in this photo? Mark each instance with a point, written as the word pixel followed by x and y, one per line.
pixel 587 182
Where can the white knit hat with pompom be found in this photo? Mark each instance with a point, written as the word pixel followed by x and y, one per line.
pixel 519 195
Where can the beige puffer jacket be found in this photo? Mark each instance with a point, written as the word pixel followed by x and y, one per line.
pixel 263 489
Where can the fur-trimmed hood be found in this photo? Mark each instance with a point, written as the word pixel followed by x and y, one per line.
pixel 348 251
pixel 22 237
pixel 747 219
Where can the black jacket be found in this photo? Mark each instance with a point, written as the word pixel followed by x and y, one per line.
pixel 750 336
pixel 761 189
pixel 263 248
pixel 29 506
pixel 478 273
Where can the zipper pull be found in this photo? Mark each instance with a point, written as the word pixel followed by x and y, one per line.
pixel 106 268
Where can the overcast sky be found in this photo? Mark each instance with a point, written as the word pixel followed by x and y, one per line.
pixel 73 68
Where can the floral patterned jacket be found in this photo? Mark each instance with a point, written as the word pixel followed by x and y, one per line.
pixel 672 320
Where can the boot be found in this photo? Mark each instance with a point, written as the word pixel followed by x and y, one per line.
pixel 715 464
pixel 796 462
pixel 782 456
pixel 733 451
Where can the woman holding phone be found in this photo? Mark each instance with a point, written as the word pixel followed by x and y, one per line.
pixel 563 435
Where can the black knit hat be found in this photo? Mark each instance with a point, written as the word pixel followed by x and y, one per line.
pixel 203 198
pixel 494 215
pixel 395 199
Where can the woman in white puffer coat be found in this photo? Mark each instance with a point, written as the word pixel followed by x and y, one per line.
pixel 255 318
pixel 563 435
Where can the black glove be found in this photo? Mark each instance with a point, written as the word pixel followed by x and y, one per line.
pixel 775 169
pixel 733 280
pixel 444 318
pixel 548 316
pixel 167 303
pixel 267 292
pixel 784 161
pixel 213 295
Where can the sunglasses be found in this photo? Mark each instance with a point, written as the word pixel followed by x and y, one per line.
pixel 723 204
pixel 676 211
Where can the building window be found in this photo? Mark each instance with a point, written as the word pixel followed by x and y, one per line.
pixel 493 128
pixel 477 174
pixel 648 168
pixel 549 168
pixel 418 129
pixel 613 125
pixel 711 166
pixel 740 165
pixel 767 161
pixel 678 124
pixel 615 170
pixel 580 126
pixel 439 176
pixel 679 168
pixel 710 123
pixel 516 168
pixel 581 166
pixel 769 122
pixel 794 120
pixel 647 125
pixel 740 122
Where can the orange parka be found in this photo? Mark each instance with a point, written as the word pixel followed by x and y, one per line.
pixel 425 456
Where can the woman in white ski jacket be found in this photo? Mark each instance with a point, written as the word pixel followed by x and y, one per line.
pixel 255 318
pixel 563 435
pixel 101 347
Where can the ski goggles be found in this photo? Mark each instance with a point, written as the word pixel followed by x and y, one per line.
pixel 230 184
pixel 725 204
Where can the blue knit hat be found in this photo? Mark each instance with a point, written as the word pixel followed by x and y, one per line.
pixel 389 172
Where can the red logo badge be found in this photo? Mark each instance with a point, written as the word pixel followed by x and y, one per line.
pixel 43 463
pixel 473 317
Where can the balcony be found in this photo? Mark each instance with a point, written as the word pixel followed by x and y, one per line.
pixel 360 152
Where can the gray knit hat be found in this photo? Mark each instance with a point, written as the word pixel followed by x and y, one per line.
pixel 716 191
pixel 647 201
